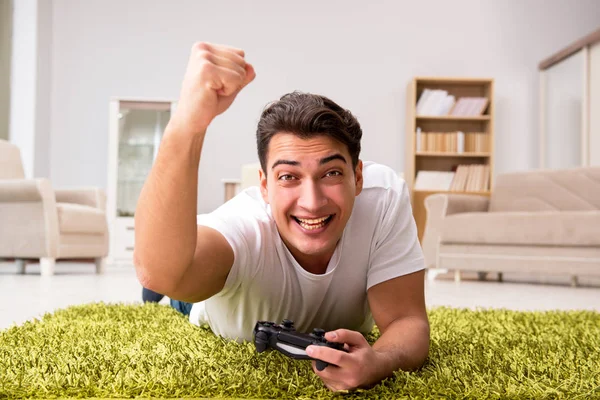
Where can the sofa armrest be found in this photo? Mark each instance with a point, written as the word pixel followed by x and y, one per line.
pixel 28 208
pixel 460 203
pixel 92 196
pixel 438 206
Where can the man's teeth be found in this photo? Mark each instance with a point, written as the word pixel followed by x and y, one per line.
pixel 313 221
pixel 311 224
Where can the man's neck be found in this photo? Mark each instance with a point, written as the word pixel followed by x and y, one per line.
pixel 315 264
pixel 317 268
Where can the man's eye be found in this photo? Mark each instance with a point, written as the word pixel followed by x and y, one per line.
pixel 286 177
pixel 333 173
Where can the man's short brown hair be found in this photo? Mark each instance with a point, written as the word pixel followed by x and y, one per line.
pixel 307 115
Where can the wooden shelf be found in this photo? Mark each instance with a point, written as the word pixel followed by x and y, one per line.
pixel 480 148
pixel 452 118
pixel 446 154
pixel 452 80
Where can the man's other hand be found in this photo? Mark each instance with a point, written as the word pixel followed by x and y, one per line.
pixel 359 367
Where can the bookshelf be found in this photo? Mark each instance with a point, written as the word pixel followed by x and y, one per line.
pixel 449 139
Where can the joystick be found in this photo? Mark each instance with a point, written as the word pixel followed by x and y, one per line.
pixel 286 340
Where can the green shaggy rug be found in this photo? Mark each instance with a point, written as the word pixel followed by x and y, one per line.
pixel 124 351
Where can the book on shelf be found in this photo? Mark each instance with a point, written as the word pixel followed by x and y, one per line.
pixel 433 180
pixel 466 178
pixel 470 106
pixel 438 102
pixel 471 178
pixel 451 142
pixel 435 102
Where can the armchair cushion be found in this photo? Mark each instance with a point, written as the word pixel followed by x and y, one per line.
pixel 93 197
pixel 75 218
pixel 545 228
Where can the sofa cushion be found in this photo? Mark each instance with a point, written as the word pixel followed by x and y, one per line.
pixel 544 228
pixel 76 218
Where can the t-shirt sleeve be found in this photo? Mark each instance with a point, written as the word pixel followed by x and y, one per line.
pixel 243 233
pixel 396 250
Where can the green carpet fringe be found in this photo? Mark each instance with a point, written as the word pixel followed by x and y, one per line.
pixel 132 350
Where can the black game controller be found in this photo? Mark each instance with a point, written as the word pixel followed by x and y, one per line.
pixel 285 339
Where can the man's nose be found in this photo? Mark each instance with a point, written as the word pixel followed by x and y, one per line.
pixel 312 197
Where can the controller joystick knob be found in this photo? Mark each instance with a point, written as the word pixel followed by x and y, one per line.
pixel 319 332
pixel 287 323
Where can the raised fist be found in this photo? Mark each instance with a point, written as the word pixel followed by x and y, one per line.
pixel 214 76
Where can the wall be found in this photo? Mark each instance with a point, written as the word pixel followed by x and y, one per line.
pixel 30 83
pixel 42 164
pixel 361 56
pixel 594 104
pixel 5 51
pixel 23 81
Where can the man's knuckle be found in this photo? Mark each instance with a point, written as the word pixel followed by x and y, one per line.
pixel 201 46
pixel 206 68
pixel 205 55
pixel 236 50
pixel 336 358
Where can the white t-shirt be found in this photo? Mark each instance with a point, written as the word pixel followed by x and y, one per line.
pixel 266 283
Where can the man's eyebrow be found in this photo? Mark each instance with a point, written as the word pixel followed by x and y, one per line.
pixel 286 162
pixel 322 161
pixel 336 156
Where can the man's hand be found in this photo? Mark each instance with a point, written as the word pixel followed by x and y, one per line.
pixel 214 76
pixel 361 366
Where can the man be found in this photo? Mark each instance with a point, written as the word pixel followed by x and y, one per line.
pixel 326 241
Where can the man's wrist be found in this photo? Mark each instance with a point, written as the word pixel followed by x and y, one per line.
pixel 385 365
pixel 177 127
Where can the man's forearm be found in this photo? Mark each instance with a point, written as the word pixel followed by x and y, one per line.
pixel 165 217
pixel 403 346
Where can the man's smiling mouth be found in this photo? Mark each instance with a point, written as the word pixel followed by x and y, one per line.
pixel 312 224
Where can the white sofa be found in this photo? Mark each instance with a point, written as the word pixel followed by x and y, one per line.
pixel 38 222
pixel 541 222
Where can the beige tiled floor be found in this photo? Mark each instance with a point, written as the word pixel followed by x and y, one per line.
pixel 23 297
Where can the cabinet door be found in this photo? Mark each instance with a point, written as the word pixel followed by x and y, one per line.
pixel 141 126
pixel 562 107
pixel 594 104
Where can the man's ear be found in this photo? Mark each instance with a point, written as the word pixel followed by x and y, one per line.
pixel 358 175
pixel 263 185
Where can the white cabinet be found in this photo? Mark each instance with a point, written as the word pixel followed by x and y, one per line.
pixel 569 104
pixel 135 131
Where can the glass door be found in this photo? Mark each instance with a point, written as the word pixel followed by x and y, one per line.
pixel 141 126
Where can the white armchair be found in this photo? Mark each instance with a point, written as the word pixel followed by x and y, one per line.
pixel 40 223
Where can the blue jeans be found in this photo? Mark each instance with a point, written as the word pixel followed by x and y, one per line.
pixel 149 296
pixel 181 306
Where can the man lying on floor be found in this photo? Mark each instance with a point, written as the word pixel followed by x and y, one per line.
pixel 326 241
